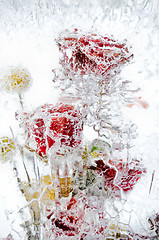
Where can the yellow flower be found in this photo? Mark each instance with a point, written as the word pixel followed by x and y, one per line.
pixel 116 232
pixel 16 79
pixel 31 191
pixel 7 148
pixel 43 191
pixel 47 189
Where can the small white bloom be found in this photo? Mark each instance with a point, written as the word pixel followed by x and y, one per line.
pixel 16 79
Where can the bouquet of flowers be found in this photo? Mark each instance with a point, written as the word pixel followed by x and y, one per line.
pixel 72 179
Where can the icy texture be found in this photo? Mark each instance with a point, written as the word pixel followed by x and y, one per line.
pixel 89 68
pixel 108 186
pixel 90 53
pixel 52 127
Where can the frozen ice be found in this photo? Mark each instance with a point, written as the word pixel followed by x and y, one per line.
pixel 93 173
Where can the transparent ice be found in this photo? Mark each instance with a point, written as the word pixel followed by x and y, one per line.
pixel 66 193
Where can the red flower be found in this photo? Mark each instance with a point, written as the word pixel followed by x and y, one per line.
pixel 67 222
pixel 75 221
pixel 50 124
pixel 120 176
pixel 108 172
pixel 92 53
pixel 128 174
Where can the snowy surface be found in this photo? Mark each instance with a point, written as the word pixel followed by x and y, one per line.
pixel 27 33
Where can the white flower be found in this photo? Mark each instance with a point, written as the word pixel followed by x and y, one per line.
pixel 16 79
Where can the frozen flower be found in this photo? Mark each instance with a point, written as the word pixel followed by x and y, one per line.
pixel 92 53
pixel 96 173
pixel 7 148
pixel 108 173
pixel 38 194
pixel 43 190
pixel 128 174
pixel 115 231
pixel 16 79
pixel 58 126
pixel 116 174
pixel 80 219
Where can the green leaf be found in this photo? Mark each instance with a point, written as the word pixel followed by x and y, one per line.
pixel 94 148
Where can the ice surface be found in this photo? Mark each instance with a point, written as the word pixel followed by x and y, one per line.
pixel 126 119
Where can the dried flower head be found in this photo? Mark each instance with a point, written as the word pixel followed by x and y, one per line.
pixel 17 79
pixel 7 148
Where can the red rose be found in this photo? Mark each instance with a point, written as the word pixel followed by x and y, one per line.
pixel 107 172
pixel 92 53
pixel 124 176
pixel 128 174
pixel 50 124
pixel 127 178
pixel 75 220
